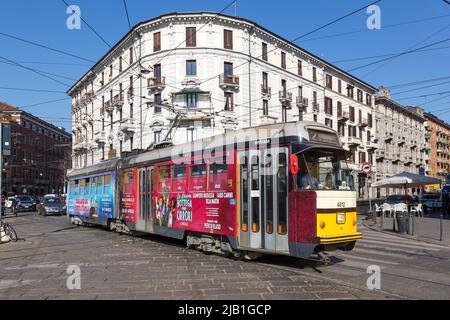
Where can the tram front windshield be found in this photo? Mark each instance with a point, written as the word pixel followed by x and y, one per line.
pixel 322 169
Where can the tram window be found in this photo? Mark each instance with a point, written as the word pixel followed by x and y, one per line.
pixel 255 200
pixel 93 185
pixel 100 185
pixel 163 183
pixel 76 187
pixel 179 178
pixel 71 187
pixel 107 184
pixel 82 186
pixel 282 194
pixel 267 196
pixel 218 175
pixel 198 177
pixel 87 188
pixel 244 199
pixel 255 173
pixel 128 182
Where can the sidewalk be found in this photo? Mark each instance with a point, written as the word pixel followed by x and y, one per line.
pixel 426 229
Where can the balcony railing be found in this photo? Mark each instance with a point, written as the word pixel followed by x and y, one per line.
pixel 156 83
pixel 100 137
pixel 130 93
pixel 285 97
pixel 266 91
pixel 343 116
pixel 128 125
pixel 227 80
pixel 302 102
pixel 108 106
pixel 363 123
pixel 354 141
pixel 118 100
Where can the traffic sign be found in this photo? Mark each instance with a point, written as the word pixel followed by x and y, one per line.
pixel 366 168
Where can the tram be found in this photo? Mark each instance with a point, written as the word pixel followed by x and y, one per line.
pixel 281 189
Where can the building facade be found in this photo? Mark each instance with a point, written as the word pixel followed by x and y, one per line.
pixel 39 157
pixel 216 73
pixel 401 140
pixel 438 138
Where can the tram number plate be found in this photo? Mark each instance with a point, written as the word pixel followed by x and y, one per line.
pixel 340 218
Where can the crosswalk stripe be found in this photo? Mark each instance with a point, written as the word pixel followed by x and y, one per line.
pixel 367 259
pixel 381 253
pixel 395 249
pixel 405 241
pixel 357 264
pixel 394 244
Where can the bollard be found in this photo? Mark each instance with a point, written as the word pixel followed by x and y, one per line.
pixel 440 227
pixel 413 224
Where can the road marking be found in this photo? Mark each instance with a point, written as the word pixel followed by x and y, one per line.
pixel 367 259
pixel 382 253
pixel 400 245
pixel 406 241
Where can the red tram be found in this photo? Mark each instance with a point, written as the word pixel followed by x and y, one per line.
pixel 276 189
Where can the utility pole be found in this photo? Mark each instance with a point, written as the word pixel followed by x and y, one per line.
pixel 1 175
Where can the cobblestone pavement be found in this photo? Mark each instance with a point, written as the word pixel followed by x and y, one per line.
pixel 116 266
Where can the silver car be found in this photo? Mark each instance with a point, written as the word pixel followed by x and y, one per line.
pixel 52 205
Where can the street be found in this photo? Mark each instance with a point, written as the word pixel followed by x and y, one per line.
pixel 116 266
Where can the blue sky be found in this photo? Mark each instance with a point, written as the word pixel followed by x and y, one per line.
pixel 44 22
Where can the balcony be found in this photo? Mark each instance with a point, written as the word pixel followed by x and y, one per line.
pixel 371 145
pixel 302 103
pixel 227 81
pixel 118 101
pixel 363 123
pixel 285 97
pixel 353 141
pixel 266 91
pixel 128 125
pixel 408 160
pixel 380 154
pixel 108 106
pixel 413 145
pixel 89 96
pixel 156 84
pixel 100 137
pixel 389 137
pixel 343 116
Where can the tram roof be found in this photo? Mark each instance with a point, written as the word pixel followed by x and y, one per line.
pixel 296 130
pixel 285 132
pixel 99 167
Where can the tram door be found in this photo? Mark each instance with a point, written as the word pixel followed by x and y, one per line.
pixel 145 199
pixel 263 184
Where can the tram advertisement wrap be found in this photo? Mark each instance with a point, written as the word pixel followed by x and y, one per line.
pixel 202 212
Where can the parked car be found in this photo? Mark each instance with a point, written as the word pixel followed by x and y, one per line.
pixel 24 203
pixel 399 198
pixel 51 205
pixel 431 200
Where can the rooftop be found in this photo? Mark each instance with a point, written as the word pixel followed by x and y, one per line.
pixel 220 15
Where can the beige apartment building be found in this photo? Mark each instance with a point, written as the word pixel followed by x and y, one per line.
pixel 401 139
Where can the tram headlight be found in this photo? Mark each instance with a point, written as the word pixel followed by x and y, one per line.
pixel 354 222
pixel 322 225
